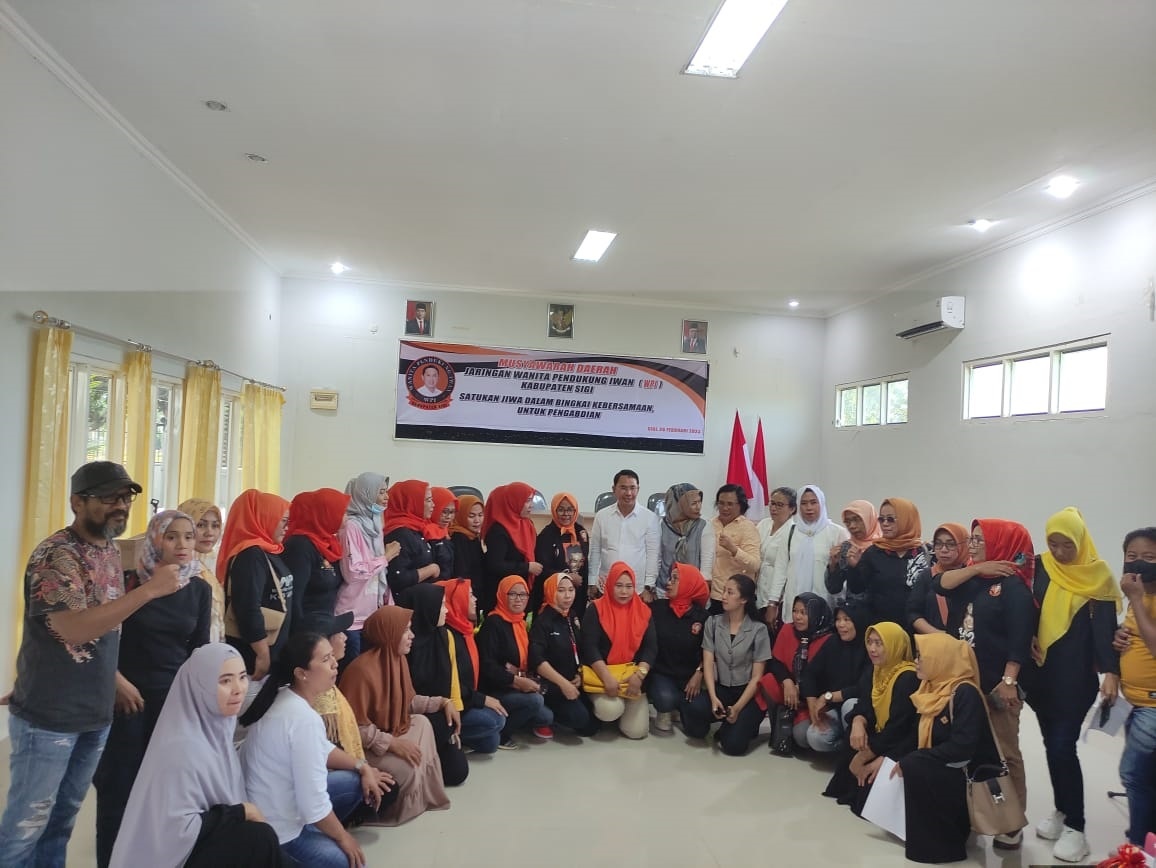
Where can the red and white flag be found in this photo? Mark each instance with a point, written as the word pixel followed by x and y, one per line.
pixel 740 472
pixel 760 466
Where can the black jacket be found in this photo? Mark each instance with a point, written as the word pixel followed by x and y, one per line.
pixel 883 579
pixel 679 640
pixel 555 640
pixel 900 734
pixel 401 574
pixel 496 648
pixel 469 559
pixel 551 554
pixel 315 580
pixel 997 618
pixel 502 559
pixel 249 588
pixel 836 666
pixel 443 555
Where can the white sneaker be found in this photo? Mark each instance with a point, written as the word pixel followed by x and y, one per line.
pixel 1051 828
pixel 662 722
pixel 1072 846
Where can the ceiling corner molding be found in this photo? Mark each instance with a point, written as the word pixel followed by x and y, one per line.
pixel 43 53
pixel 1131 194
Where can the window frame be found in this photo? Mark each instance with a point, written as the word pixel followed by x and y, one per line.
pixel 229 467
pixel 883 384
pixel 172 466
pixel 1054 354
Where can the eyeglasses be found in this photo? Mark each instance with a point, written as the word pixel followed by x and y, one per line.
pixel 780 504
pixel 947 544
pixel 888 519
pixel 517 595
pixel 112 499
pixel 566 509
pixel 975 540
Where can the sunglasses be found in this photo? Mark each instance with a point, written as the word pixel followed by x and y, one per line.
pixel 888 519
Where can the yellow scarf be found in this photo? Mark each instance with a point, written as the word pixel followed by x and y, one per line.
pixel 1086 578
pixel 946 663
pixel 896 661
pixel 455 681
pixel 340 724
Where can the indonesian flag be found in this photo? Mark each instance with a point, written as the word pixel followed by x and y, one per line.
pixel 740 472
pixel 760 467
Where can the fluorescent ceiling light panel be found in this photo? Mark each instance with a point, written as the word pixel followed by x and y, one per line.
pixel 981 225
pixel 793 303
pixel 737 28
pixel 339 268
pixel 1062 186
pixel 594 245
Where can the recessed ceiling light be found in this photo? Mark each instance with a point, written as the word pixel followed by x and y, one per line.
pixel 981 225
pixel 737 28
pixel 256 158
pixel 1062 186
pixel 215 105
pixel 793 303
pixel 594 245
pixel 339 268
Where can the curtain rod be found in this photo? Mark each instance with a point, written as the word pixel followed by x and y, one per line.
pixel 42 318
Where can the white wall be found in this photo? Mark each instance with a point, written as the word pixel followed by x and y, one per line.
pixel 327 343
pixel 93 232
pixel 1086 279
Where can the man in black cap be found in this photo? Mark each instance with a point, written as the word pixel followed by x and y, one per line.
pixel 62 703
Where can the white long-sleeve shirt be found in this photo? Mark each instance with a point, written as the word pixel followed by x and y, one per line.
pixel 630 538
pixel 790 576
pixel 284 757
pixel 772 544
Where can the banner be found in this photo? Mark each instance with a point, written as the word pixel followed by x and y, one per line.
pixel 493 395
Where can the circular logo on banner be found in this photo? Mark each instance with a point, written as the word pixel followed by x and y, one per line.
pixel 430 383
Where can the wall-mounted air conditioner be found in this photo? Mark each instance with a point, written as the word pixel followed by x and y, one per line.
pixel 930 316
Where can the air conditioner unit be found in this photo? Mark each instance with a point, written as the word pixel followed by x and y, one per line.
pixel 930 316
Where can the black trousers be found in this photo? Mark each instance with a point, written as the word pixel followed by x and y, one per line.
pixel 238 845
pixel 455 766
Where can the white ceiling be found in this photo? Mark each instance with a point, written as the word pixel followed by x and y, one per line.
pixel 473 142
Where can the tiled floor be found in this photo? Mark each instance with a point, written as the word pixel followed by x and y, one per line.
pixel 665 802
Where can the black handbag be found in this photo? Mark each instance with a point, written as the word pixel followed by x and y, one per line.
pixel 782 730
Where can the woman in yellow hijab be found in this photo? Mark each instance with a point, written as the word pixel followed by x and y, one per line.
pixel 1078 598
pixel 882 723
pixel 954 734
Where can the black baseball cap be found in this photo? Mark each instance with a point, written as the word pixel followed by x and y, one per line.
pixel 326 625
pixel 102 478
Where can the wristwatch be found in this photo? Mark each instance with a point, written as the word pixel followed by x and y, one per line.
pixel 1009 681
pixel 359 765
pixel 828 696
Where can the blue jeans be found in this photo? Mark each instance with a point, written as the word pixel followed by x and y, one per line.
pixel 664 693
pixel 313 847
pixel 1138 772
pixel 524 709
pixel 482 729
pixel 50 775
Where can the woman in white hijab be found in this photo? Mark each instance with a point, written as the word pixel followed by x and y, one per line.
pixel 801 566
pixel 188 808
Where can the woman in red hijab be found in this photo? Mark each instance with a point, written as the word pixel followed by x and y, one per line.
pixel 510 538
pixel 563 546
pixel 312 549
pixel 438 528
pixel 678 624
pixel 256 578
pixel 405 520
pixel 616 630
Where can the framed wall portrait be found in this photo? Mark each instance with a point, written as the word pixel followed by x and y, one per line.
pixel 693 336
pixel 419 318
pixel 560 321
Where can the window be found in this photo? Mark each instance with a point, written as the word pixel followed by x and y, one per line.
pixel 1061 379
pixel 98 404
pixel 874 402
pixel 166 450
pixel 229 457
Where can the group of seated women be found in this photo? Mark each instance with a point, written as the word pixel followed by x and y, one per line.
pixel 377 636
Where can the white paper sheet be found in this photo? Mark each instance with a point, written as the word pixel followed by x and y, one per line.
pixel 1121 708
pixel 884 806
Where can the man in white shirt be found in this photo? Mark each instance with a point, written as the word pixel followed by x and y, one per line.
pixel 625 531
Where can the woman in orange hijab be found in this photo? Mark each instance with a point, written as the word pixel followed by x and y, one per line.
pixel 255 577
pixel 563 546
pixel 554 641
pixel 504 649
pixel 927 609
pixel 678 624
pixel 881 574
pixel 312 549
pixel 510 539
pixel 405 520
pixel 618 629
pixel 466 538
pixel 395 723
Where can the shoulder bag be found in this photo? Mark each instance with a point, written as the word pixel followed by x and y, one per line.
pixel 993 805
pixel 273 619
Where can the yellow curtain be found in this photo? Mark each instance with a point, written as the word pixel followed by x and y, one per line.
pixel 200 433
pixel 46 490
pixel 261 438
pixel 139 426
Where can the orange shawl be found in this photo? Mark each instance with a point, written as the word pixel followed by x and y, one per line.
pixel 909 527
pixel 253 519
pixel 457 600
pixel 625 624
pixel 518 622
